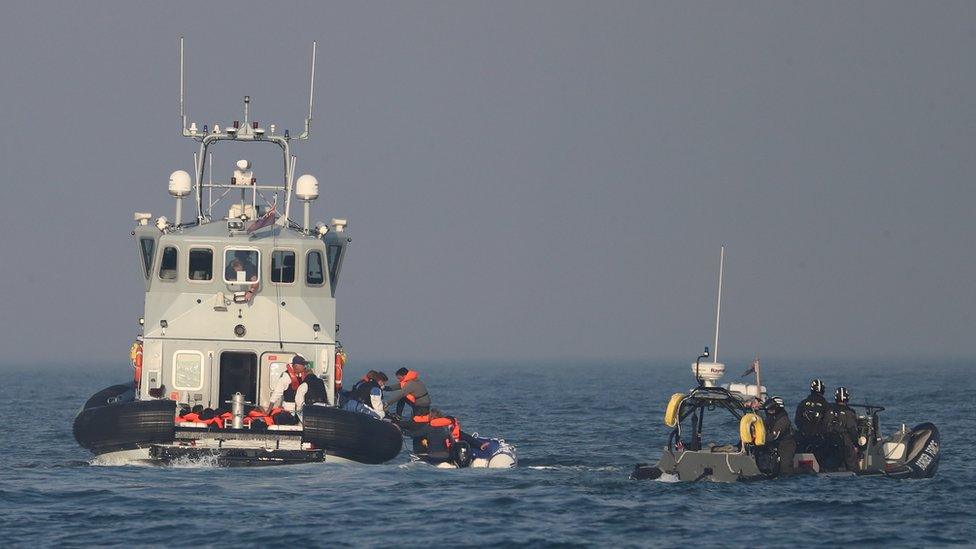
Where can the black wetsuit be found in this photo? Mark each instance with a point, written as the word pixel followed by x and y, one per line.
pixel 842 436
pixel 811 422
pixel 779 435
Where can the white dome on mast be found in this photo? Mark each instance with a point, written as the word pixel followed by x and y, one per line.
pixel 179 184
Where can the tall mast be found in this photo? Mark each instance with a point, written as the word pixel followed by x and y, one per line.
pixel 718 307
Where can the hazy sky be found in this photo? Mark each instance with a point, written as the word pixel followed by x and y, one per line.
pixel 521 179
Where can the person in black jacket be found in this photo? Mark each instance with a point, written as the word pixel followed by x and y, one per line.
pixel 366 396
pixel 779 434
pixel 811 419
pixel 842 435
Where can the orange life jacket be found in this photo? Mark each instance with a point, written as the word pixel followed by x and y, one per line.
pixel 192 417
pixel 259 415
pixel 451 422
pixel 296 380
pixel 407 378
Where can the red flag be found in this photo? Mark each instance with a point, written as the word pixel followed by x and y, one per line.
pixel 266 219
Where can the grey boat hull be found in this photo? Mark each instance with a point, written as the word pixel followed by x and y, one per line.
pixel 693 466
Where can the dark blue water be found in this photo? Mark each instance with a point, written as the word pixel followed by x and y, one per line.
pixel 579 429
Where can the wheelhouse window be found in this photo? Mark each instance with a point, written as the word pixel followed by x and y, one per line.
pixel 314 275
pixel 201 264
pixel 188 370
pixel 167 267
pixel 148 246
pixel 241 266
pixel 283 266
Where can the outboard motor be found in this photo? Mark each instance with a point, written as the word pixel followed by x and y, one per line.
pixel 461 454
pixel 922 460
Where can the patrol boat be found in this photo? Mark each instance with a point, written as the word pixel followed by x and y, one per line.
pixel 687 457
pixel 233 293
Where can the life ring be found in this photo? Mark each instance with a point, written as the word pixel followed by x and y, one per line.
pixel 752 430
pixel 135 355
pixel 671 413
pixel 340 361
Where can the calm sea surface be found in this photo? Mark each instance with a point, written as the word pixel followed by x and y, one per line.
pixel 579 429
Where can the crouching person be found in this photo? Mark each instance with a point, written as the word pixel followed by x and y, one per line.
pixel 366 396
pixel 445 441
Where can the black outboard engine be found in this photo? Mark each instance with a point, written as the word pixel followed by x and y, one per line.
pixel 922 457
pixel 461 454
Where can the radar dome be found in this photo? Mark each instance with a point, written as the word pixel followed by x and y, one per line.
pixel 179 184
pixel 307 187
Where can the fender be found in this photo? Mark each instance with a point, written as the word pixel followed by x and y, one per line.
pixel 671 412
pixel 752 430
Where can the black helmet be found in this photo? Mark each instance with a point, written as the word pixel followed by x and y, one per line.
pixel 774 403
pixel 817 386
pixel 842 394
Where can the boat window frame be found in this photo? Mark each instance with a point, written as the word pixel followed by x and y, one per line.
pixel 213 252
pixel 176 269
pixel 223 271
pixel 271 266
pixel 203 376
pixel 147 266
pixel 322 265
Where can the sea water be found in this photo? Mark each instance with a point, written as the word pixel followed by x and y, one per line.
pixel 579 429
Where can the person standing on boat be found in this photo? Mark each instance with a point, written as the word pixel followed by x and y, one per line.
pixel 409 390
pixel 842 430
pixel 811 419
pixel 779 434
pixel 284 387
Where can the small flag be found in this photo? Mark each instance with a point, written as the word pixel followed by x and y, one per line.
pixel 753 368
pixel 266 219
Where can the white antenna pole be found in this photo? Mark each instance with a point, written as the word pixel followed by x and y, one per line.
pixel 210 188
pixel 311 94
pixel 718 308
pixel 182 113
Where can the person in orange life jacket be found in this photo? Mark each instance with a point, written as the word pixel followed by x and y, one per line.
pixel 366 396
pixel 444 431
pixel 284 387
pixel 409 390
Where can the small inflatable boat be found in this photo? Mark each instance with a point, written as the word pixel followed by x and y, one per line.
pixel 474 452
pixel 118 428
pixel 905 454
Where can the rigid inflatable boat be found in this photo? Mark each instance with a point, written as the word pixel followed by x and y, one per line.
pixel 907 453
pixel 232 294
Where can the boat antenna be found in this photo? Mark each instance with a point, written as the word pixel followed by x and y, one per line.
pixel 718 307
pixel 311 94
pixel 182 110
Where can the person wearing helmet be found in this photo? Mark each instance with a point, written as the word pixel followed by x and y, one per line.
pixel 842 432
pixel 811 419
pixel 779 434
